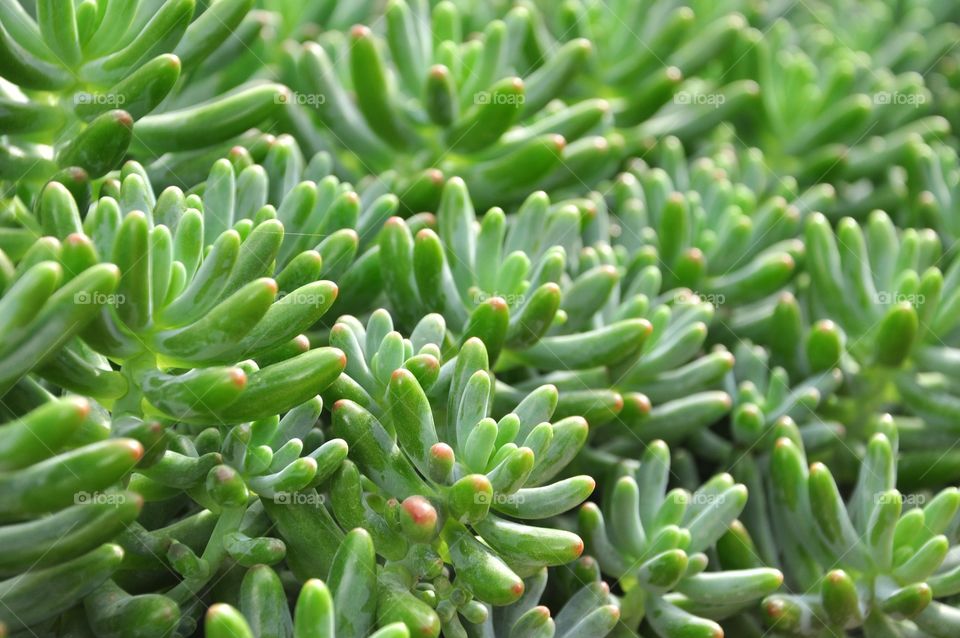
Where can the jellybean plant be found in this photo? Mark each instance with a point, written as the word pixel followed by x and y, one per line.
pixel 933 191
pixel 589 611
pixel 556 310
pixel 511 301
pixel 116 350
pixel 894 305
pixel 669 68
pixel 376 319
pixel 86 81
pixel 180 307
pixel 345 605
pixel 59 463
pixel 909 37
pixel 305 18
pixel 421 432
pixel 353 604
pixel 765 394
pixel 860 120
pixel 712 234
pixel 652 543
pixel 60 509
pixel 876 560
pixel 424 97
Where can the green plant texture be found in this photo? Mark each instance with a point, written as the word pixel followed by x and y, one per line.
pixel 479 319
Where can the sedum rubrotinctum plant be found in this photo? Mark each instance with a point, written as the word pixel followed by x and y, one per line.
pixel 555 309
pixel 176 341
pixel 321 611
pixel 666 68
pixel 461 484
pixel 181 307
pixel 424 97
pixel 653 542
pixel 915 36
pixel 503 285
pixel 84 82
pixel 877 561
pixel 479 319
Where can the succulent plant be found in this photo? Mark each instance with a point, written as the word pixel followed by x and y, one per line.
pixel 441 470
pixel 914 36
pixel 612 282
pixel 307 18
pixel 685 63
pixel 423 98
pixel 61 463
pixel 711 233
pixel 346 606
pixel 653 542
pixel 377 319
pixel 177 308
pixel 61 510
pixel 589 611
pixel 586 324
pixel 108 337
pixel 668 389
pixel 869 562
pixel 511 305
pixel 933 191
pixel 882 288
pixel 765 395
pixel 86 82
pixel 858 121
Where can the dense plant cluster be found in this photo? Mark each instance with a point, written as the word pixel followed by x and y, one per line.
pixel 479 319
